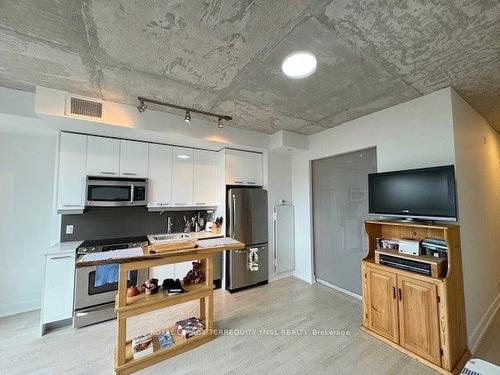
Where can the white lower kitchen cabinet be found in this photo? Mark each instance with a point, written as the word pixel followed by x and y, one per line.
pixel 162 272
pixel 57 298
pixel 181 269
pixel 170 271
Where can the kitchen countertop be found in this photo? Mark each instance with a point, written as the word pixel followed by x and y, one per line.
pixel 201 249
pixel 62 248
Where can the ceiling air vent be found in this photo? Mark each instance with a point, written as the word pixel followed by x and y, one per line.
pixel 83 107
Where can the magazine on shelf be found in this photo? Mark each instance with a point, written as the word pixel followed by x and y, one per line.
pixel 165 339
pixel 142 346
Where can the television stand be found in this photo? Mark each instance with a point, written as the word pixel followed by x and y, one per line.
pixel 419 314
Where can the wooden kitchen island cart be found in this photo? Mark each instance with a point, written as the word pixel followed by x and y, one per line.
pixel 127 307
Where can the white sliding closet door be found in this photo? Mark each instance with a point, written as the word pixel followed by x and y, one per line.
pixel 340 203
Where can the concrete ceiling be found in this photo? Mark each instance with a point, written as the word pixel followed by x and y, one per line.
pixel 225 55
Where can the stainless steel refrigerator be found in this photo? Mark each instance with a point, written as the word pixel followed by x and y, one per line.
pixel 247 222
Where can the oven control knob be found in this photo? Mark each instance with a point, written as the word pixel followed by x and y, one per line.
pixel 92 249
pixel 82 250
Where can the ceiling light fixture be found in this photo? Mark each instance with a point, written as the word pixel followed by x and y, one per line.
pixel 142 107
pixel 299 65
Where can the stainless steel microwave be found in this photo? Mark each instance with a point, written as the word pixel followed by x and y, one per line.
pixel 115 192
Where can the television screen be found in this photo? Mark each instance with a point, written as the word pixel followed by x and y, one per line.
pixel 427 193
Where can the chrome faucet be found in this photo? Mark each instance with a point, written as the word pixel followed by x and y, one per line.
pixel 169 225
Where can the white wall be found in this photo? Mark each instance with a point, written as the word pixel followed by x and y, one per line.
pixel 418 133
pixel 477 155
pixel 279 187
pixel 26 191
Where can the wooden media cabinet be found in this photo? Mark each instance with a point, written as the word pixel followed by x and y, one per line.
pixel 420 315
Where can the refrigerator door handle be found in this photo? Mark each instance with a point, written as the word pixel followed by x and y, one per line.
pixel 233 235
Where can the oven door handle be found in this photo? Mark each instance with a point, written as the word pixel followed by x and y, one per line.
pixel 132 194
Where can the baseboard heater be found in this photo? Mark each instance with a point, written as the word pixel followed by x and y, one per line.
pixel 405 264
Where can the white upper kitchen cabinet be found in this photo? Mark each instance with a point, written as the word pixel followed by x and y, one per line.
pixel 182 176
pixel 103 156
pixel 243 168
pixel 160 176
pixel 133 159
pixel 71 180
pixel 204 189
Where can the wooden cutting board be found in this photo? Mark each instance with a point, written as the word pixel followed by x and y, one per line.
pixel 171 246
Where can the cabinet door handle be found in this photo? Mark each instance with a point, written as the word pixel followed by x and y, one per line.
pixel 129 174
pixel 104 172
pixel 394 292
pixel 238 182
pixel 200 203
pixel 180 204
pixel 400 297
pixel 62 257
pixel 71 205
pixel 251 183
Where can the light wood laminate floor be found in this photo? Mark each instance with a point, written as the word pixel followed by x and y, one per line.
pixel 288 304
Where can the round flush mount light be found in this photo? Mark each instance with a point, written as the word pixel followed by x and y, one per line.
pixel 299 65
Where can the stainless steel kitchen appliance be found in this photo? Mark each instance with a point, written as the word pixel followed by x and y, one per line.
pixel 247 213
pixel 94 300
pixel 114 192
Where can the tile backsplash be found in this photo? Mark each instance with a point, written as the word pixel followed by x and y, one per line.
pixel 114 222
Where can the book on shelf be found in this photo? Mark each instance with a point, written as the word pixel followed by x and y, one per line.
pixel 142 346
pixel 189 327
pixel 165 339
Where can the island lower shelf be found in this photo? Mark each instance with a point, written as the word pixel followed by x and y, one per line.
pixel 179 346
pixel 143 303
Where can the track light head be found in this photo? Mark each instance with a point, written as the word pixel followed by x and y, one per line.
pixel 142 107
pixel 220 124
pixel 187 117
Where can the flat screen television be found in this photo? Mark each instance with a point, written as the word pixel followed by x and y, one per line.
pixel 426 193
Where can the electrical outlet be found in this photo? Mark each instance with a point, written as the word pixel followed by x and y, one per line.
pixel 69 229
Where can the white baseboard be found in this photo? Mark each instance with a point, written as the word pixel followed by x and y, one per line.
pixel 483 324
pixel 339 289
pixel 19 307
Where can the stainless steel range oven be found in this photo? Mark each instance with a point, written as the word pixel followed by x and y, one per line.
pixel 96 286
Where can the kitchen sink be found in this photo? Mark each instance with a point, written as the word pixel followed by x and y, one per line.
pixel 171 237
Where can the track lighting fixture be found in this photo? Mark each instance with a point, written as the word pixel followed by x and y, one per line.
pixel 142 107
